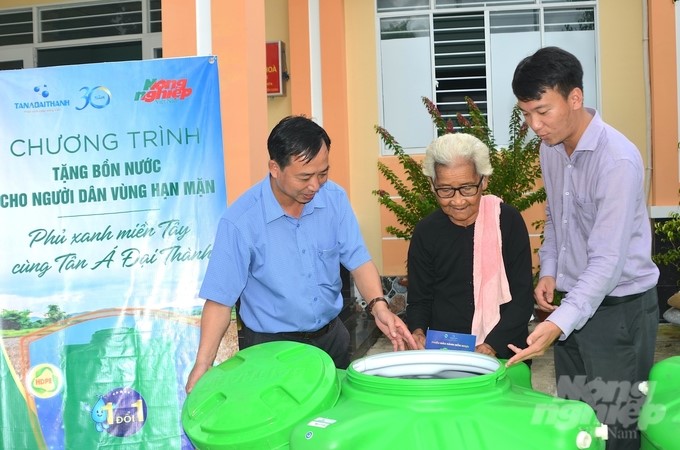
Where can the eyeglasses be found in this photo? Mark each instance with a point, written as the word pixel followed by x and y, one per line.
pixel 469 190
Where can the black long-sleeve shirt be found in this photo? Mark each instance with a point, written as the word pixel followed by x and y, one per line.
pixel 440 289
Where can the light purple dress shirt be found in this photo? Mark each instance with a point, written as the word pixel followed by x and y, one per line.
pixel 598 236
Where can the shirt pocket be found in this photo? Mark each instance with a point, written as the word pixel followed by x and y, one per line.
pixel 328 266
pixel 584 214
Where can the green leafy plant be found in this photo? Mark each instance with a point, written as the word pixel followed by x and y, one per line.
pixel 669 233
pixel 416 199
pixel 515 176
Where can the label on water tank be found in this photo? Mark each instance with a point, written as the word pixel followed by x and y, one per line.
pixel 321 422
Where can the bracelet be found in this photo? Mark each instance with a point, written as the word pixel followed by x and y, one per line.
pixel 371 304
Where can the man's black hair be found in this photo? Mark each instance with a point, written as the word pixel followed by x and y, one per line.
pixel 296 137
pixel 548 68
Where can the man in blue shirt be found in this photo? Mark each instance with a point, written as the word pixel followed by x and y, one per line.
pixel 278 250
pixel 597 248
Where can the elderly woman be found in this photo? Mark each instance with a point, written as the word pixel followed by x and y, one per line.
pixel 469 262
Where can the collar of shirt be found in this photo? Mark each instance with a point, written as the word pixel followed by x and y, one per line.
pixel 591 136
pixel 273 209
pixel 588 141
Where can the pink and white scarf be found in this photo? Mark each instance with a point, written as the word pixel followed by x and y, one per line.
pixel 489 280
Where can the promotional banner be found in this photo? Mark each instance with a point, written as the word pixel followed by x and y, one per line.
pixel 112 187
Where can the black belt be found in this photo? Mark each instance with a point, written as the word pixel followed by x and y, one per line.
pixel 309 334
pixel 610 300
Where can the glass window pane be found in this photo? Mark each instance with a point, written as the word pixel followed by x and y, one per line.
pixel 155 23
pixel 406 77
pixel 83 54
pixel 404 27
pixel 514 35
pixel 402 5
pixel 11 65
pixel 576 34
pixel 514 21
pixel 91 21
pixel 480 3
pixel 16 27
pixel 65 35
pixel 569 19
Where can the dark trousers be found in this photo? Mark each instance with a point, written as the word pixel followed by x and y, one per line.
pixel 335 342
pixel 603 363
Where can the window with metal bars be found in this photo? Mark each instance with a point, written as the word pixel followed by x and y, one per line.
pixel 42 36
pixel 16 27
pixel 80 21
pixel 448 50
pixel 97 20
pixel 459 61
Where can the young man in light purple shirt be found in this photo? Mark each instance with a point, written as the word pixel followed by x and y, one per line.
pixel 597 248
pixel 278 251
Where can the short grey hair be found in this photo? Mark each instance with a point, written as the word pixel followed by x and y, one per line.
pixel 452 146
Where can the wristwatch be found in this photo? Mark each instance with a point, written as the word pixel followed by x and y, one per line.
pixel 371 304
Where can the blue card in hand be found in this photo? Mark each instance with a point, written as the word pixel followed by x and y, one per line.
pixel 435 339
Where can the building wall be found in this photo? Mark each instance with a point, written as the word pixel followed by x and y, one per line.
pixel 276 29
pixel 350 89
pixel 238 37
pixel 363 115
pixel 643 107
pixel 664 107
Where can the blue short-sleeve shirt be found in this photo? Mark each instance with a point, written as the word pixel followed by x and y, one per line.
pixel 285 270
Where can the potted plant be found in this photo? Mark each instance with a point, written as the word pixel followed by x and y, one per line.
pixel 668 232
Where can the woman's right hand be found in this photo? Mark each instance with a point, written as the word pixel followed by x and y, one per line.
pixel 419 337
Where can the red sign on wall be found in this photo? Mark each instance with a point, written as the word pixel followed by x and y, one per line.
pixel 276 60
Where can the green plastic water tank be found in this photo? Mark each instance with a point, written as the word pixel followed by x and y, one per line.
pixel 660 414
pixel 286 395
pixel 441 399
pixel 253 400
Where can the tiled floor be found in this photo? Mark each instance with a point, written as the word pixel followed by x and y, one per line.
pixel 543 372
